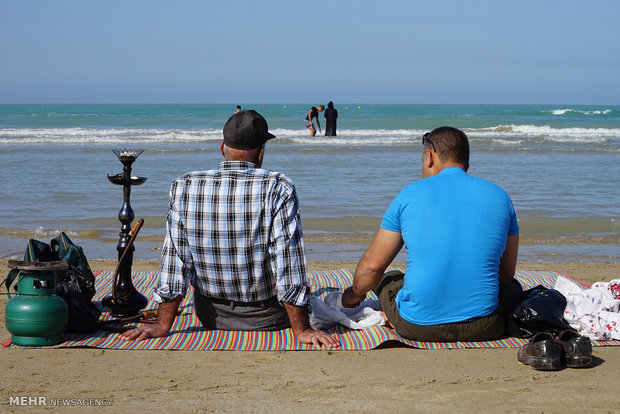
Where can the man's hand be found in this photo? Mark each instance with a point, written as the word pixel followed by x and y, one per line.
pixel 166 312
pixel 318 338
pixel 349 299
pixel 140 333
pixel 300 324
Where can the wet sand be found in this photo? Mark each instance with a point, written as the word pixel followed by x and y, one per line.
pixel 390 379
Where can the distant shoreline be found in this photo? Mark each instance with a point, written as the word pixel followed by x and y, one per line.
pixel 337 246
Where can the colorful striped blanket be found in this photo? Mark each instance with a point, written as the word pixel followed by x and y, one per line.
pixel 187 334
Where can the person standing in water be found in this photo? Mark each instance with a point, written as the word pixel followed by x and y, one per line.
pixel 313 113
pixel 331 115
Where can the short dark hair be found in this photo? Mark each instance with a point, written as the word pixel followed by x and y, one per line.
pixel 451 144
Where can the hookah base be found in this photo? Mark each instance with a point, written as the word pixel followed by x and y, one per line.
pixel 124 307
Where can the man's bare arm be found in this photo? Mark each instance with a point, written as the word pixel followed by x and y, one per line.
pixel 166 312
pixel 508 262
pixel 371 267
pixel 300 324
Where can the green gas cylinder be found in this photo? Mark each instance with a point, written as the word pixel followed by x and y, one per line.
pixel 36 316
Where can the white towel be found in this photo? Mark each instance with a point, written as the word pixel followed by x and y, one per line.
pixel 325 314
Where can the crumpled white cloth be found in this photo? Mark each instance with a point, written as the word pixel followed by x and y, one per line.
pixel 327 313
pixel 594 312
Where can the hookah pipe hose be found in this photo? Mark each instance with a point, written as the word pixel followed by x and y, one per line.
pixel 142 317
pixel 133 233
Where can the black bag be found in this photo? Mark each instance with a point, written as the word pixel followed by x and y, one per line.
pixel 76 286
pixel 541 310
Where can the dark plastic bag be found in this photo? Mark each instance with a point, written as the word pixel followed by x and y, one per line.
pixel 76 286
pixel 65 250
pixel 542 310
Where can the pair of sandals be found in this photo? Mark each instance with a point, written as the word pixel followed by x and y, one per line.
pixel 545 352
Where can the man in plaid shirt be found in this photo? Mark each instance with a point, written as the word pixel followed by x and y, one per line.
pixel 235 235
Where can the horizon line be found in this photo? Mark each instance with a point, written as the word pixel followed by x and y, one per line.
pixel 299 103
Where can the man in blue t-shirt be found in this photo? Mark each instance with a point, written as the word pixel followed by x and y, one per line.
pixel 462 237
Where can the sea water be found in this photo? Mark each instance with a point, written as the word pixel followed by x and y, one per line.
pixel 559 163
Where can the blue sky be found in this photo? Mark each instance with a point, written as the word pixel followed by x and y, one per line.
pixel 178 51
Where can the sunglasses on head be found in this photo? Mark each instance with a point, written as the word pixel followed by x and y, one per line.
pixel 426 139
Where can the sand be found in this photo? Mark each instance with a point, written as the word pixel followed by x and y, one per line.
pixel 390 379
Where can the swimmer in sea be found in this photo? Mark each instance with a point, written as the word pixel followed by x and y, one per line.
pixel 313 113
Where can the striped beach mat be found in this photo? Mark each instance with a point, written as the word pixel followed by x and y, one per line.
pixel 187 334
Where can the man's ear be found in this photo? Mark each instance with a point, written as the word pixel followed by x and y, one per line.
pixel 429 159
pixel 222 149
pixel 260 156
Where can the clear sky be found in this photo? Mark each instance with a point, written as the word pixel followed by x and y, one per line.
pixel 288 51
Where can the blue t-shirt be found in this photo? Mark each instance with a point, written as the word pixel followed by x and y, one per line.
pixel 454 227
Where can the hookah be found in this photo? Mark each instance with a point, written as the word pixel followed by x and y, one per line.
pixel 125 300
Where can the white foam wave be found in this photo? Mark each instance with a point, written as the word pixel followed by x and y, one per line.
pixel 42 232
pixel 289 133
pixel 352 136
pixel 349 142
pixel 106 136
pixel 510 135
pixel 586 135
pixel 579 111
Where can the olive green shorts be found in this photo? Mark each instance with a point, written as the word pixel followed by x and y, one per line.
pixel 477 329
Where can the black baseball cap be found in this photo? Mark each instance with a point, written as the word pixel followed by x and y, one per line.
pixel 246 130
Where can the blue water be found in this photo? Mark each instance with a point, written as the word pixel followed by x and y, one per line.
pixel 560 164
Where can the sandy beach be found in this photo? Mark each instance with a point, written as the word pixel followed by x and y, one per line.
pixel 390 379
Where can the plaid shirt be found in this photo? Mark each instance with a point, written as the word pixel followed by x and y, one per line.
pixel 234 233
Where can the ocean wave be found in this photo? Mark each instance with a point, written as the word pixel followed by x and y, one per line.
pixel 295 133
pixel 106 136
pixel 511 135
pixel 545 132
pixel 351 137
pixel 579 111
